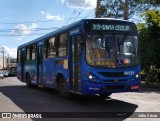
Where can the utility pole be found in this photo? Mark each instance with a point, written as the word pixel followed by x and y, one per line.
pixel 126 10
pixel 97 8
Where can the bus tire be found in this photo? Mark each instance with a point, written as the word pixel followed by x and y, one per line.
pixel 104 96
pixel 62 88
pixel 28 81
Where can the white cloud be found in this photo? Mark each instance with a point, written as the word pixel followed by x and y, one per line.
pixel 22 30
pixel 51 17
pixel 20 38
pixel 85 4
pixel 62 1
pixel 11 51
pixel 42 12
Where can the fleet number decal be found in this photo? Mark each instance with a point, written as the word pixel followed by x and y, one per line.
pixel 128 72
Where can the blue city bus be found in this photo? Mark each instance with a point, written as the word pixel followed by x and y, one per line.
pixel 88 57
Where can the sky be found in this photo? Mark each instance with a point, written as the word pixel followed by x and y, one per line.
pixel 22 21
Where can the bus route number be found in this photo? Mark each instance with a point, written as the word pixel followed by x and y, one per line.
pixel 128 72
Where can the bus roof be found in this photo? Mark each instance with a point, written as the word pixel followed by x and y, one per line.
pixel 68 27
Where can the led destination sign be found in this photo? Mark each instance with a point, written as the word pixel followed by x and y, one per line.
pixel 109 27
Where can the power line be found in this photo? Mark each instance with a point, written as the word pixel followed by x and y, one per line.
pixel 68 19
pixel 75 11
pixel 41 29
pixel 80 12
pixel 36 29
pixel 39 21
pixel 89 13
pixel 30 22
pixel 22 35
pixel 89 2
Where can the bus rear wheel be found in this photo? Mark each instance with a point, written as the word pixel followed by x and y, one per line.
pixel 62 88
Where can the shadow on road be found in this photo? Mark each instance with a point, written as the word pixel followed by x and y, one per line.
pixel 47 100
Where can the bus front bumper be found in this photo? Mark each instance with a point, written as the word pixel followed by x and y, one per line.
pixel 99 88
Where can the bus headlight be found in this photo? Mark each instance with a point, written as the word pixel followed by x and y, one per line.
pixel 137 75
pixel 90 77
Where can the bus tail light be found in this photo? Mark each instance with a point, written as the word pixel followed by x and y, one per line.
pixel 135 87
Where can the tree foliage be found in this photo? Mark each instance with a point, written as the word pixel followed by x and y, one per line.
pixel 149 36
pixel 111 8
pixel 119 8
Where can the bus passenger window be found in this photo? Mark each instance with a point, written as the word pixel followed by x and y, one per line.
pixel 33 50
pixel 28 54
pixel 63 45
pixel 50 48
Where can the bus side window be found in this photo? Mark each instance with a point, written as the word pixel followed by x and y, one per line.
pixel 33 52
pixel 50 48
pixel 63 45
pixel 28 53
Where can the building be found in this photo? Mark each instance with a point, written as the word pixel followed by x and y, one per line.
pixel 5 62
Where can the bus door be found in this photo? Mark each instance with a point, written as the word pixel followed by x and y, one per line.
pixel 40 65
pixel 75 77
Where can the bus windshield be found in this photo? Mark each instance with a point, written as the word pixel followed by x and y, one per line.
pixel 108 50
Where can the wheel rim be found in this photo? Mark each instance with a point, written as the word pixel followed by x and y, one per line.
pixel 63 87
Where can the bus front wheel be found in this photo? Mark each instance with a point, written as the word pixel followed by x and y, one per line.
pixel 62 88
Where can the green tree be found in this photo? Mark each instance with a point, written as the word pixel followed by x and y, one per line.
pixel 149 36
pixel 111 8
pixel 126 8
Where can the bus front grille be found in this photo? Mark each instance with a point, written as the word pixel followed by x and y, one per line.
pixel 115 81
pixel 112 74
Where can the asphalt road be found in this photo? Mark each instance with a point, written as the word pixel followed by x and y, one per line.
pixel 16 97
